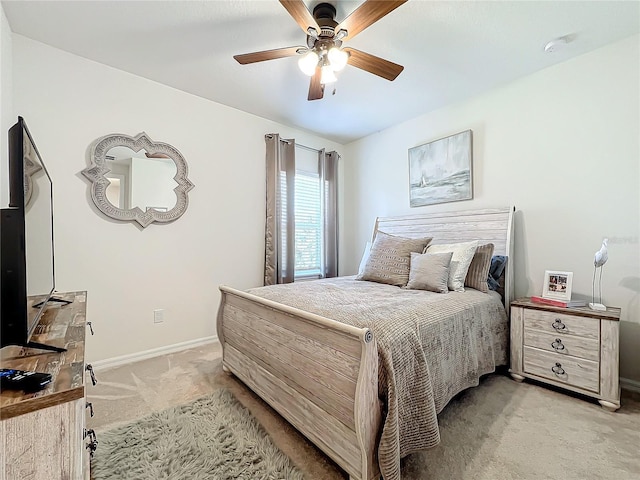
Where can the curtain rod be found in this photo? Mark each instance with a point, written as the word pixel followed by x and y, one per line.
pixel 300 145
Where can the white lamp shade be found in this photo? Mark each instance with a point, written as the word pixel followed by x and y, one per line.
pixel 327 75
pixel 337 58
pixel 308 63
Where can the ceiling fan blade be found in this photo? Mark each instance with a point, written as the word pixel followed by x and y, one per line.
pixel 367 14
pixel 372 64
pixel 316 89
pixel 266 55
pixel 298 10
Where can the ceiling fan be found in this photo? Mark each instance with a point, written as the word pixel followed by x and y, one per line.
pixel 324 54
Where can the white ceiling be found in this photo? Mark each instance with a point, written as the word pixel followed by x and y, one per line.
pixel 451 50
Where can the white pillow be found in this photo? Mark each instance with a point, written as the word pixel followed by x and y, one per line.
pixel 365 257
pixel 460 260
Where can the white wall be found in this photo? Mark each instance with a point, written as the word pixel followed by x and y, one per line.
pixel 6 103
pixel 68 102
pixel 563 146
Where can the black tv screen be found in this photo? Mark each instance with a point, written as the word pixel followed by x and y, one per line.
pixel 27 250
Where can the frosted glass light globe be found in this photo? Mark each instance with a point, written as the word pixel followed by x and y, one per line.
pixel 327 75
pixel 308 63
pixel 337 58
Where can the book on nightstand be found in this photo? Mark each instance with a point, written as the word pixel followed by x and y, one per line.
pixel 559 303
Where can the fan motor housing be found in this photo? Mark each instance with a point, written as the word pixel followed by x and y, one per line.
pixel 325 14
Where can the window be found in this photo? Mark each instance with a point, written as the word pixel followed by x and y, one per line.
pixel 308 223
pixel 301 238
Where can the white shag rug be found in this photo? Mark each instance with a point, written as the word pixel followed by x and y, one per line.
pixel 213 438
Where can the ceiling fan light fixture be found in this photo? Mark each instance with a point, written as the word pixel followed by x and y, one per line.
pixel 322 55
pixel 308 63
pixel 337 58
pixel 327 75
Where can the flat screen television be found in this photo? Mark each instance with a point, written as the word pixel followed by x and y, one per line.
pixel 27 263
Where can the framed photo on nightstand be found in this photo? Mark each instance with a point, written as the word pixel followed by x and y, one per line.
pixel 557 285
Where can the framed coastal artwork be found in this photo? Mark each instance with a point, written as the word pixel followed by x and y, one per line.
pixel 440 171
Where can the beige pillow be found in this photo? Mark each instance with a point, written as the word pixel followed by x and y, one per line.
pixel 462 255
pixel 478 272
pixel 430 271
pixel 390 257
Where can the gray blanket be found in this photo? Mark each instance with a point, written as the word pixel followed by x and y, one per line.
pixel 431 346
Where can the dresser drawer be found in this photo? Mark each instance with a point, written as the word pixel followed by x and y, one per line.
pixel 561 323
pixel 573 371
pixel 572 345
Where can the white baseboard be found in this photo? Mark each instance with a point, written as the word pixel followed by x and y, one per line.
pixel 154 352
pixel 628 384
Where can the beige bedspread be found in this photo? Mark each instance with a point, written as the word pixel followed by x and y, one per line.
pixel 431 346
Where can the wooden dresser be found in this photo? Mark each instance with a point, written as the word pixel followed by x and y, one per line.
pixel 42 433
pixel 572 348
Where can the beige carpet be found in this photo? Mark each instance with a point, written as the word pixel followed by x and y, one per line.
pixel 499 430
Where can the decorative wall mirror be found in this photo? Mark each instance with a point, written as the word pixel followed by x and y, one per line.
pixel 137 179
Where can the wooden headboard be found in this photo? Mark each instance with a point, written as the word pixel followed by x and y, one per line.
pixel 487 226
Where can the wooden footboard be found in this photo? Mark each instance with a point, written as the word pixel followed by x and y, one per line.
pixel 319 374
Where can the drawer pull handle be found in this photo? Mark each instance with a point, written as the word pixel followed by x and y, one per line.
pixel 558 325
pixel 89 368
pixel 558 345
pixel 557 369
pixel 93 442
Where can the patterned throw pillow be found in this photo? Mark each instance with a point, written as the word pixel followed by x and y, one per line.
pixel 478 272
pixel 462 255
pixel 430 271
pixel 390 258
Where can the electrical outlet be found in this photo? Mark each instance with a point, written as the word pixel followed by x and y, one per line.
pixel 158 315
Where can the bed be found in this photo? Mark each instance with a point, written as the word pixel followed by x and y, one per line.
pixel 362 369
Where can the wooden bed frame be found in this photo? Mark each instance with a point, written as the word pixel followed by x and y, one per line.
pixel 322 375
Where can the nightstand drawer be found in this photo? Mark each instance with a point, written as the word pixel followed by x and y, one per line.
pixel 573 371
pixel 588 348
pixel 562 323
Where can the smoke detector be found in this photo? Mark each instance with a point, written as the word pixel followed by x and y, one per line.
pixel 558 44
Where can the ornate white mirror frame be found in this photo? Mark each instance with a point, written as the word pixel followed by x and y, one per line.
pixel 98 169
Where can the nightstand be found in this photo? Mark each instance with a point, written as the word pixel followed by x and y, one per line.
pixel 573 348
